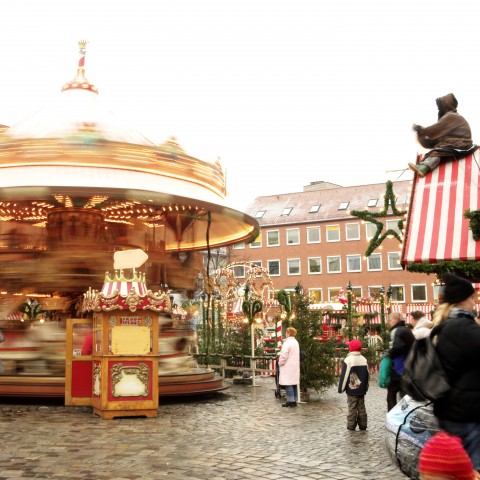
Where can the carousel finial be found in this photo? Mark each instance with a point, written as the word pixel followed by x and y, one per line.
pixel 80 81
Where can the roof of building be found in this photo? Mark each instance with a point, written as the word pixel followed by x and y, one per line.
pixel 333 203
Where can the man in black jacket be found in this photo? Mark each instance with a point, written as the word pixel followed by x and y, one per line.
pixel 401 339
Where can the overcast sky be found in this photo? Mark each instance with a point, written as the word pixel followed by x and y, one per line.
pixel 284 92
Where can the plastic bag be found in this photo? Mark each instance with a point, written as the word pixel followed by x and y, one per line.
pixel 409 425
pixel 385 372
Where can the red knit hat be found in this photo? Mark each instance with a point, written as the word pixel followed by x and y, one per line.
pixel 444 455
pixel 355 346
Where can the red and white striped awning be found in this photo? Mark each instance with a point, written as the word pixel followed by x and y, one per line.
pixel 436 227
pixel 124 288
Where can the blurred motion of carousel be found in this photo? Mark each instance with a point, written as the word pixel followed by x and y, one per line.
pixel 76 185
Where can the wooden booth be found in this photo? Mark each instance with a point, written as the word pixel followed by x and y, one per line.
pixel 124 345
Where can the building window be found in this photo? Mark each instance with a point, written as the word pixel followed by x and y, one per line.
pixel 419 293
pixel 260 214
pixel 257 243
pixel 287 211
pixel 354 263
pixel 239 246
pixel 239 271
pixel 374 293
pixel 256 263
pixel 273 238
pixel 293 236
pixel 343 206
pixel 273 267
pixel 313 235
pixel 333 233
pixel 394 261
pixel 352 231
pixel 356 293
pixel 334 264
pixel 374 262
pixel 315 295
pixel 398 293
pixel 393 225
pixel 333 293
pixel 372 202
pixel 314 265
pixel 370 230
pixel 314 209
pixel 437 290
pixel 293 266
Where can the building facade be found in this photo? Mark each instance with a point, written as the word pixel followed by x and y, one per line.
pixel 310 238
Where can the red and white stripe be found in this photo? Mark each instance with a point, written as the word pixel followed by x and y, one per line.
pixel 124 288
pixel 436 227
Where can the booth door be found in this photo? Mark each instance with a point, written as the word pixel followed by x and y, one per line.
pixel 78 368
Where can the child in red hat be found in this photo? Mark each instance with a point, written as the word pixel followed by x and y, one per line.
pixel 354 381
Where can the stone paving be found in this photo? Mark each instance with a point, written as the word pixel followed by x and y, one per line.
pixel 241 433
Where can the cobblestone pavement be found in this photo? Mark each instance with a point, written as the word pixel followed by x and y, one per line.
pixel 241 433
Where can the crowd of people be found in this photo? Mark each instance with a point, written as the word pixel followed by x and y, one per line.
pixel 456 336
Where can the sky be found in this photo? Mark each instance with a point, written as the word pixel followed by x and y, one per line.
pixel 285 93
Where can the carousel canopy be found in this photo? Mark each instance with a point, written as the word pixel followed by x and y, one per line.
pixel 75 154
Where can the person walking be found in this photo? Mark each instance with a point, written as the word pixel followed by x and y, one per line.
pixel 401 340
pixel 449 139
pixel 354 381
pixel 289 363
pixel 421 325
pixel 456 336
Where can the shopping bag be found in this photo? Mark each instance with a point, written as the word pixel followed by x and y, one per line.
pixel 408 426
pixel 385 372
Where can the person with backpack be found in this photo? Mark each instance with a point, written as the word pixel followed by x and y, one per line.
pixel 401 340
pixel 457 341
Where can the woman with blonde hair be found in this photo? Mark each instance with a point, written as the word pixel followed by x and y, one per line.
pixel 456 336
pixel 289 362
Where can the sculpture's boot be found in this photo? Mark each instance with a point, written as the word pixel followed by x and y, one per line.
pixel 421 169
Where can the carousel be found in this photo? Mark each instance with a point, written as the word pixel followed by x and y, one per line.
pixel 76 186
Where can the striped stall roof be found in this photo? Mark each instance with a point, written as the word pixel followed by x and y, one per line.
pixel 124 288
pixel 436 227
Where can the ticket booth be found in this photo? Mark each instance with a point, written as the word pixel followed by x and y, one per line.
pixel 125 364
pixel 124 345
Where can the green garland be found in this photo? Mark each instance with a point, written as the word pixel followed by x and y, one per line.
pixel 474 217
pixel 469 270
pixel 389 202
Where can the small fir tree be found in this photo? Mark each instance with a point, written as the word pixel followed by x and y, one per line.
pixel 317 364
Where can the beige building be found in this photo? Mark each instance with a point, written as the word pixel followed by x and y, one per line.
pixel 311 238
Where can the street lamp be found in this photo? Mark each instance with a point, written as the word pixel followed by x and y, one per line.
pixel 349 311
pixel 250 308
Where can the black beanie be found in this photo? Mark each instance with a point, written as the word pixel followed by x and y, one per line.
pixel 456 289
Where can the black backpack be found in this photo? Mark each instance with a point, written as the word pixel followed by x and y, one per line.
pixel 424 377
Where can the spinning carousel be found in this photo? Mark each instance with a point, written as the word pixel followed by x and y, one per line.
pixel 77 185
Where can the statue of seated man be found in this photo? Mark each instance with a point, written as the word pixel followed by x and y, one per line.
pixel 448 139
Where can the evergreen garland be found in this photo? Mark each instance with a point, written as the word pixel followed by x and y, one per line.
pixel 389 202
pixel 469 270
pixel 474 217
